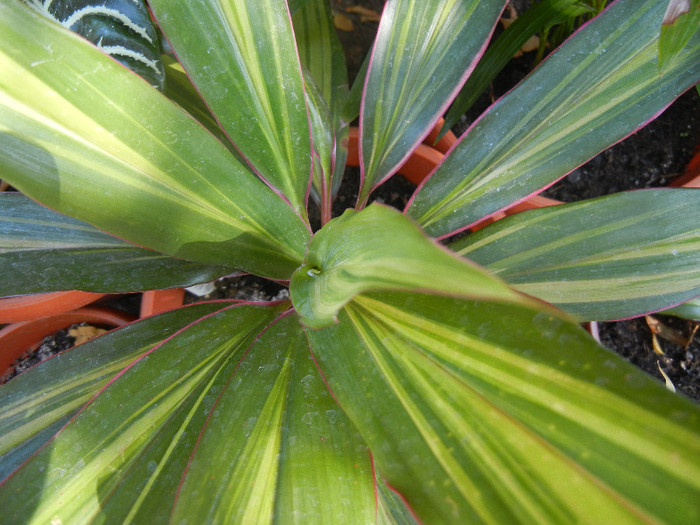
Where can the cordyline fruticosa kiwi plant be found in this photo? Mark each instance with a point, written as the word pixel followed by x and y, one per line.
pixel 405 379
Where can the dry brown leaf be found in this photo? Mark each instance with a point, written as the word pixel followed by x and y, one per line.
pixel 532 43
pixel 366 15
pixel 85 333
pixel 666 332
pixel 656 346
pixel 669 384
pixel 342 22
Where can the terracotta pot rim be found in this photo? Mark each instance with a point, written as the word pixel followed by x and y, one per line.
pixel 19 308
pixel 20 338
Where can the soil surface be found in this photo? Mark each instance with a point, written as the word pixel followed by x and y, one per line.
pixel 653 156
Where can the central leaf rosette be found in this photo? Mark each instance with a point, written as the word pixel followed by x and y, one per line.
pixel 378 248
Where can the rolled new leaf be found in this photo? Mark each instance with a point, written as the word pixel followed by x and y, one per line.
pixel 378 248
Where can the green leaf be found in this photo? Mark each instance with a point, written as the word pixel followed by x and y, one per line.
pixel 614 257
pixel 489 412
pixel 179 89
pixel 232 406
pixel 242 58
pixel 149 416
pixel 541 15
pixel 601 85
pixel 677 28
pixel 687 310
pixel 129 161
pixel 295 5
pixel 322 56
pixel 322 133
pixel 277 447
pixel 120 28
pixel 44 251
pixel 379 248
pixel 38 402
pixel 423 53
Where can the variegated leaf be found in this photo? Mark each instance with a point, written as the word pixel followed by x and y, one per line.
pixel 598 87
pixel 614 257
pixel 38 403
pixel 423 53
pixel 44 251
pixel 242 57
pixel 497 413
pixel 128 160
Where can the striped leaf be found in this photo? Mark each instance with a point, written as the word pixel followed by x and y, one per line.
pixel 423 53
pixel 129 161
pixel 242 58
pixel 680 22
pixel 242 417
pixel 687 310
pixel 600 86
pixel 323 57
pixel 378 248
pixel 609 258
pixel 120 28
pixel 540 16
pixel 37 403
pixel 487 412
pixel 278 448
pixel 44 251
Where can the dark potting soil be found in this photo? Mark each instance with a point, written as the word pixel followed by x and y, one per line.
pixel 51 345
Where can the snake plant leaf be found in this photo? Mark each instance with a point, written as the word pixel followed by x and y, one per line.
pixel 150 415
pixel 614 257
pixel 284 451
pixel 111 157
pixel 121 28
pixel 598 87
pixel 422 54
pixel 322 56
pixel 44 251
pixel 37 403
pixel 379 248
pixel 681 21
pixel 241 56
pixel 502 413
pixel 541 15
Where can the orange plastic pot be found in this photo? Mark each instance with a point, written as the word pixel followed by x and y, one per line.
pixel 33 317
pixel 27 307
pixel 421 162
pixel 20 338
pixel 691 176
